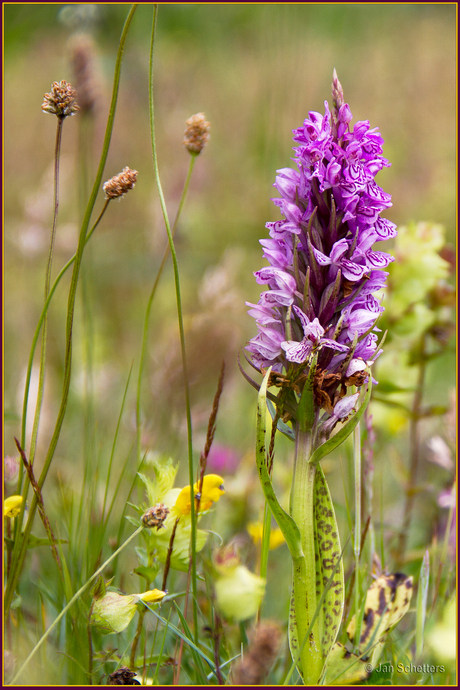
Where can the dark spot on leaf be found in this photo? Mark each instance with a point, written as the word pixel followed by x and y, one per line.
pixel 382 601
pixel 368 621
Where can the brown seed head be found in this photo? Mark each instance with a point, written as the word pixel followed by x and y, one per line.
pixel 120 184
pixel 61 100
pixel 155 517
pixel 196 134
pixel 253 668
pixel 123 676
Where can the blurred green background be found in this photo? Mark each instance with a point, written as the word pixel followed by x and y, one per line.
pixel 255 70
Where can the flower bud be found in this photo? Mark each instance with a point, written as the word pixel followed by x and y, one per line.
pixel 337 91
pixel 196 134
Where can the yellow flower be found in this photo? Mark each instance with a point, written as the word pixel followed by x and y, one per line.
pixel 12 506
pixel 153 595
pixel 212 490
pixel 255 530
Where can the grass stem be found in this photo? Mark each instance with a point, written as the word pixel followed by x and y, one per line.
pixel 181 328
pixel 20 546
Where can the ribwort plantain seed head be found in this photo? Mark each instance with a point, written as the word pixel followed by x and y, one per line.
pixel 196 134
pixel 61 100
pixel 120 184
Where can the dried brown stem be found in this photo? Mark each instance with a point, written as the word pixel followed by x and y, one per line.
pixel 40 505
pixel 210 432
pixel 169 554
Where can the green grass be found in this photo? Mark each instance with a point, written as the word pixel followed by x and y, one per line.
pixel 255 72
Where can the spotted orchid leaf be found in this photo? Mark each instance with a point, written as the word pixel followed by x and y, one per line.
pixel 328 558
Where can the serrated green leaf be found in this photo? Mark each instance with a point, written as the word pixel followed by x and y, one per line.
pixel 141 554
pixel 337 440
pixel 132 520
pixel 99 588
pixel 149 573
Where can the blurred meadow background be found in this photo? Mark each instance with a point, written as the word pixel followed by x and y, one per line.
pixel 255 70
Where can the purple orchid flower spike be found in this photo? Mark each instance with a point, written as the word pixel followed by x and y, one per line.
pixel 317 333
pixel 324 273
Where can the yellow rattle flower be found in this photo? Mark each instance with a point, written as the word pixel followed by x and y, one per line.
pixel 212 490
pixel 12 506
pixel 255 530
